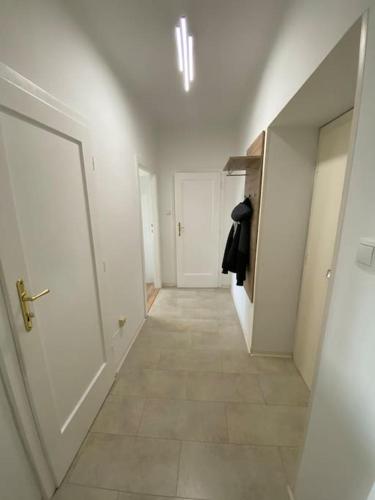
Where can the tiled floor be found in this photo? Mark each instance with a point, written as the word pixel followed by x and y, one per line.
pixel 191 415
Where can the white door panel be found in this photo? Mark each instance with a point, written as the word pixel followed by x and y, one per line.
pixel 325 210
pixel 197 228
pixel 45 189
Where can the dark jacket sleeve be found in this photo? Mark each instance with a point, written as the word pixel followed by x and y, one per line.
pixel 243 252
pixel 225 264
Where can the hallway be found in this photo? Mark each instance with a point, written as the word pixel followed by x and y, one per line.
pixel 191 415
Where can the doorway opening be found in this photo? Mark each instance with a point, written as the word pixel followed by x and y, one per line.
pixel 310 147
pixel 150 239
pixel 330 170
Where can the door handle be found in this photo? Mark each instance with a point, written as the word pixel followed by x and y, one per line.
pixel 24 298
pixel 179 228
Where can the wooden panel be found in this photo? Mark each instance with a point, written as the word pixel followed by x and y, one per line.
pixel 256 148
pixel 253 184
pixel 241 163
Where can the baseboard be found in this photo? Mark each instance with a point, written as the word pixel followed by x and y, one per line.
pixel 248 346
pixel 290 492
pixel 266 354
pixel 130 345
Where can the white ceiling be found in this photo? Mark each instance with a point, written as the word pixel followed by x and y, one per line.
pixel 232 39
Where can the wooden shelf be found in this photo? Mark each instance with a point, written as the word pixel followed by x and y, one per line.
pixel 242 163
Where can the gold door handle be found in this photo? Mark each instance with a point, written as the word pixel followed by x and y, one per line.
pixel 24 298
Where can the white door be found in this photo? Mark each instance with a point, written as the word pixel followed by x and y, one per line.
pixel 325 210
pixel 147 226
pixel 47 229
pixel 197 229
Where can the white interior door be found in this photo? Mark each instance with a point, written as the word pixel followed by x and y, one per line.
pixel 197 228
pixel 147 226
pixel 47 228
pixel 325 210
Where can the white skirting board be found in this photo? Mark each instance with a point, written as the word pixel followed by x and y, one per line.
pixel 290 493
pixel 130 345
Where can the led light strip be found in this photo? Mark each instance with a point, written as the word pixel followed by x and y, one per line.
pixel 185 46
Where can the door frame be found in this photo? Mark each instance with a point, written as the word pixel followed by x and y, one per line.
pixel 22 97
pixel 308 237
pixel 220 202
pixel 140 165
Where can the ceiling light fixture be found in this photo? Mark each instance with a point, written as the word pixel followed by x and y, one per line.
pixel 185 60
pixel 179 49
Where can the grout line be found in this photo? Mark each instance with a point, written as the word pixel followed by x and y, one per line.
pixel 227 421
pixel 261 390
pixel 178 467
pixel 196 441
pixel 226 401
pixel 141 417
pixel 282 463
pixel 140 494
pixel 217 372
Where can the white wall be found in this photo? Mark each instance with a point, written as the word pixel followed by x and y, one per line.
pixel 39 40
pixel 286 198
pixel 308 33
pixel 338 461
pixel 192 150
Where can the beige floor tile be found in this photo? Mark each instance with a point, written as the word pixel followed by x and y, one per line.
pixel 266 425
pixel 203 325
pixel 275 365
pixel 119 417
pixel 290 459
pixel 223 387
pixel 284 389
pixel 146 383
pixel 219 340
pixel 185 420
pixel 231 327
pixel 194 360
pixel 238 362
pixel 230 472
pixel 141 357
pixel 166 324
pixel 157 339
pixel 76 492
pixel 134 464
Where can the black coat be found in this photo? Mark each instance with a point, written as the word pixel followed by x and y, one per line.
pixel 237 249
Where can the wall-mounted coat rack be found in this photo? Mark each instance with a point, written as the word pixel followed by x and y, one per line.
pixel 241 164
pixel 251 167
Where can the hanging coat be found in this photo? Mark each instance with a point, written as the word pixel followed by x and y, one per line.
pixel 237 249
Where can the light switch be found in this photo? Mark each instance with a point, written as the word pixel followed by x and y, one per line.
pixel 365 253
